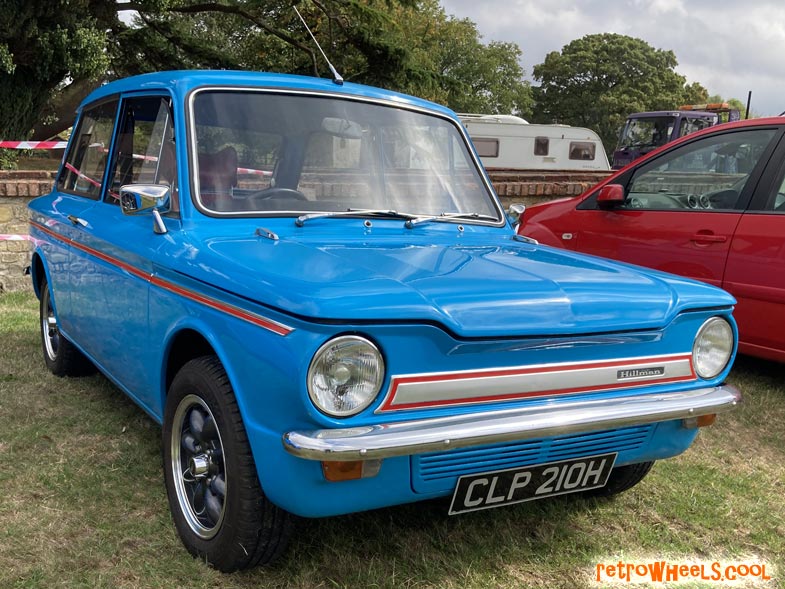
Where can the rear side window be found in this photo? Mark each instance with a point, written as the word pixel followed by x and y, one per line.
pixel 85 163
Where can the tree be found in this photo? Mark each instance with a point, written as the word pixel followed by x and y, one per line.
pixel 42 46
pixel 471 76
pixel 596 81
pixel 409 46
pixel 53 53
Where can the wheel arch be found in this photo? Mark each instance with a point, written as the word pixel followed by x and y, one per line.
pixel 184 345
pixel 38 272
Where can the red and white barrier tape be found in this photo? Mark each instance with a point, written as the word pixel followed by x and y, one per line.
pixel 82 176
pixel 63 144
pixel 14 237
pixel 255 172
pixel 33 144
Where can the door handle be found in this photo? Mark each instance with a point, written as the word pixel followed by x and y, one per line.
pixel 77 221
pixel 709 238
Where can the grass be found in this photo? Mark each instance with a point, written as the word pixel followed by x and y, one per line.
pixel 82 501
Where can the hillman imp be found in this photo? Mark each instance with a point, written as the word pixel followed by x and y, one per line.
pixel 313 288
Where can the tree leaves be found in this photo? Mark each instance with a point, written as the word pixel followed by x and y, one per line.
pixel 597 80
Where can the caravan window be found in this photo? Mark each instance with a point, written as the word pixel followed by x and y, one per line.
pixel 582 150
pixel 541 145
pixel 487 147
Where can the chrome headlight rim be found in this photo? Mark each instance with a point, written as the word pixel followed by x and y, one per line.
pixel 713 372
pixel 314 367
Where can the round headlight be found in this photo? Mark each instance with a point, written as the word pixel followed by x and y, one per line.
pixel 345 376
pixel 712 348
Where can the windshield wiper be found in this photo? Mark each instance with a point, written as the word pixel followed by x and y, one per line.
pixel 414 220
pixel 300 221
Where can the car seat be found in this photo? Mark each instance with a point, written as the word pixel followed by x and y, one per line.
pixel 217 178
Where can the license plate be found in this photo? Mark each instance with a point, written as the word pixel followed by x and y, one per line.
pixel 516 485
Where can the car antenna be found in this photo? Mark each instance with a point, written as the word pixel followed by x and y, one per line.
pixel 336 76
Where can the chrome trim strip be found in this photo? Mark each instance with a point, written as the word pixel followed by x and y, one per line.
pixel 422 391
pixel 521 423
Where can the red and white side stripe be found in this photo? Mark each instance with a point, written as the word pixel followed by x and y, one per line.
pixel 213 303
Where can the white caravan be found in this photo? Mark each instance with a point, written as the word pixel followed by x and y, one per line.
pixel 506 141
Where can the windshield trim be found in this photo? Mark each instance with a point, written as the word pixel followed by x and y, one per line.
pixel 193 155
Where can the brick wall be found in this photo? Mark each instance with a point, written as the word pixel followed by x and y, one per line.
pixel 18 187
pixel 532 187
pixel 16 190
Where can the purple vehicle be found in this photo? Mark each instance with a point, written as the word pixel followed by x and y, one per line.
pixel 646 131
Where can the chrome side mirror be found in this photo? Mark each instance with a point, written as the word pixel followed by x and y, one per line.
pixel 141 198
pixel 136 199
pixel 515 215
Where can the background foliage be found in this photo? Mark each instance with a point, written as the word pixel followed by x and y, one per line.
pixel 52 53
pixel 596 81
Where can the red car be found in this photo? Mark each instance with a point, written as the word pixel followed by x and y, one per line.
pixel 710 206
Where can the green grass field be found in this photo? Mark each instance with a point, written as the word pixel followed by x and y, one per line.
pixel 82 502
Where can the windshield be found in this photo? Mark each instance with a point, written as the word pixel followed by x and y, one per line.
pixel 264 153
pixel 647 132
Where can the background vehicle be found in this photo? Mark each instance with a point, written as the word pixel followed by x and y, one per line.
pixel 505 141
pixel 315 291
pixel 646 131
pixel 710 206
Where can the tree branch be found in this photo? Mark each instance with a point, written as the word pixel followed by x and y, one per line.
pixel 63 107
pixel 261 23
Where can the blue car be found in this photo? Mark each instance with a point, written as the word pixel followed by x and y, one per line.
pixel 314 289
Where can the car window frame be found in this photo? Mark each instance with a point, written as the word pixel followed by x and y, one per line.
pixel 772 178
pixel 84 111
pixel 192 155
pixel 174 196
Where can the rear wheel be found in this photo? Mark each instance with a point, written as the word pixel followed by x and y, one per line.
pixel 62 358
pixel 217 503
pixel 622 478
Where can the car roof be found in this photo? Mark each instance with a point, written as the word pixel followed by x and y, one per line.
pixel 181 82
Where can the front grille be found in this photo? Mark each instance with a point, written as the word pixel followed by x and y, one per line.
pixel 439 471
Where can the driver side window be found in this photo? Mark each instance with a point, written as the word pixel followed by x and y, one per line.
pixel 145 151
pixel 708 174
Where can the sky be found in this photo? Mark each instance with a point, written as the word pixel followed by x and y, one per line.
pixel 730 48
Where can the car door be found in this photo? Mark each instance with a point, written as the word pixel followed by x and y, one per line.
pixel 77 190
pixel 681 207
pixel 118 251
pixel 755 272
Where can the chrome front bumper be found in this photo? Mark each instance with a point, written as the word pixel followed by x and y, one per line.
pixel 404 438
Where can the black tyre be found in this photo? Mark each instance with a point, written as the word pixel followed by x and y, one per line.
pixel 217 503
pixel 622 478
pixel 62 358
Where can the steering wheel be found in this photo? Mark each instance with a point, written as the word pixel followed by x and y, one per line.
pixel 635 203
pixel 278 192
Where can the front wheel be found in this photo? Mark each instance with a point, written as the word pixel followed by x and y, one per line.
pixel 217 503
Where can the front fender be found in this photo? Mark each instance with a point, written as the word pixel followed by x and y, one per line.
pixel 542 234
